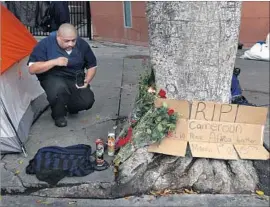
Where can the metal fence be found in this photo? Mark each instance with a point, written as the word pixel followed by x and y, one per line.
pixel 80 17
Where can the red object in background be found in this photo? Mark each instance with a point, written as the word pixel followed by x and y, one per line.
pixel 16 41
pixel 123 141
pixel 170 134
pixel 162 93
pixel 170 112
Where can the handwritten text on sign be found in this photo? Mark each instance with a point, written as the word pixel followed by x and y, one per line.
pixel 223 132
pixel 212 150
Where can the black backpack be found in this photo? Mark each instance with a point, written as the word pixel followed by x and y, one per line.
pixel 51 164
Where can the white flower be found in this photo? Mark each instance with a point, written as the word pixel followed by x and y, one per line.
pixel 151 90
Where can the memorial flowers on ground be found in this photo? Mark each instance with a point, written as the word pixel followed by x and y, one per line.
pixel 147 123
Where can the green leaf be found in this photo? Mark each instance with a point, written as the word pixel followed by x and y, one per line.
pixel 142 125
pixel 165 105
pixel 164 122
pixel 159 127
pixel 154 136
pixel 173 117
pixel 163 110
pixel 170 125
pixel 161 135
pixel 159 118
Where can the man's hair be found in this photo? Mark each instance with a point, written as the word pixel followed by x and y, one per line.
pixel 66 29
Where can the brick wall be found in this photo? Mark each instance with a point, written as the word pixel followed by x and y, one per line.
pixel 108 22
pixel 254 22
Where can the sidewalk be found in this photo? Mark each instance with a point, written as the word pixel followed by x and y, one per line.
pixel 114 85
pixel 115 88
pixel 143 201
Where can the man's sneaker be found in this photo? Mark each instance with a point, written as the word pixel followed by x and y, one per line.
pixel 61 122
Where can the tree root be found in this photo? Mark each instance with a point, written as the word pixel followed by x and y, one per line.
pixel 144 171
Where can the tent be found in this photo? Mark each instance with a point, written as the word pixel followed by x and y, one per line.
pixel 21 97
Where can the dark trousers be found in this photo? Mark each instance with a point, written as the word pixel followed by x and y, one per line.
pixel 64 97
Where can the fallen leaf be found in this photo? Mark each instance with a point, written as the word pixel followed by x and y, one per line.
pixel 45 202
pixel 17 172
pixel 128 197
pixel 97 117
pixel 153 193
pixel 42 202
pixel 166 192
pixel 187 191
pixel 259 192
pixel 20 162
pixel 72 202
pixel 115 170
pixel 157 193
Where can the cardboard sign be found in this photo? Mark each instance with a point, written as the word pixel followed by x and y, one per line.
pixel 215 130
pixel 213 150
pixel 224 132
pixel 177 147
pixel 254 152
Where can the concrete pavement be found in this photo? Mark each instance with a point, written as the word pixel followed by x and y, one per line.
pixel 115 89
pixel 143 201
pixel 114 85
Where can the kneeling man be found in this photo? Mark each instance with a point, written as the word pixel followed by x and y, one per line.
pixel 58 60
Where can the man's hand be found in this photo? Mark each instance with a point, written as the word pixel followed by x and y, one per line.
pixel 61 61
pixel 44 66
pixel 84 86
pixel 89 76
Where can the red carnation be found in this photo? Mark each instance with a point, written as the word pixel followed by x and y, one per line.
pixel 124 140
pixel 162 93
pixel 170 112
pixel 170 134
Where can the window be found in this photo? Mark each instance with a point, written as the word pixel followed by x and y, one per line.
pixel 127 14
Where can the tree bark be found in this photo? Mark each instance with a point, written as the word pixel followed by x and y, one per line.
pixel 193 48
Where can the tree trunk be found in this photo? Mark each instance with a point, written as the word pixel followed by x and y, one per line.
pixel 193 48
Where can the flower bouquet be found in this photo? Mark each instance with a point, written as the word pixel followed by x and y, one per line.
pixel 143 102
pixel 145 98
pixel 156 124
pixel 147 124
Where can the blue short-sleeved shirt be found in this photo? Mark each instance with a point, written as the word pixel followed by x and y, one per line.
pixel 81 57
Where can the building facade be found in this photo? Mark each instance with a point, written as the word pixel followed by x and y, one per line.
pixel 126 22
